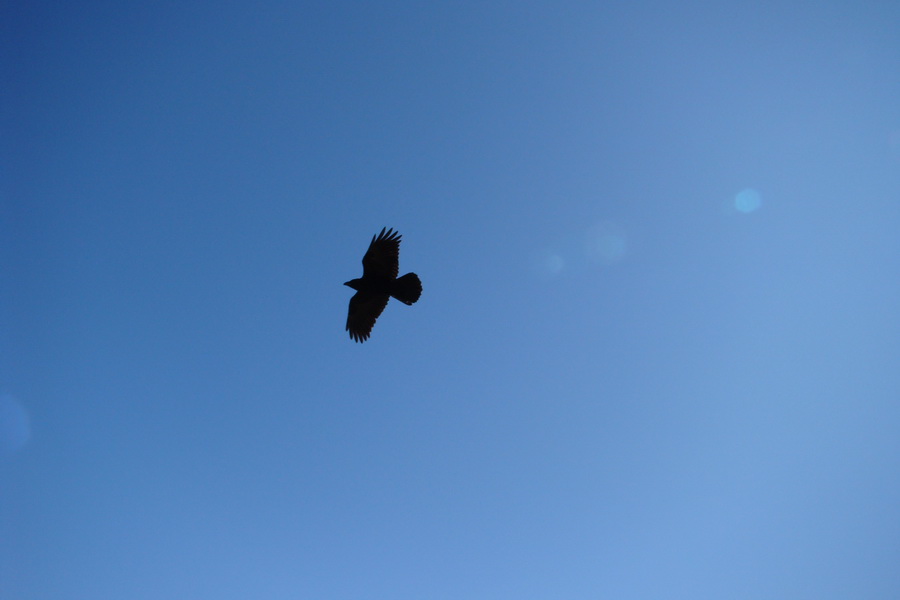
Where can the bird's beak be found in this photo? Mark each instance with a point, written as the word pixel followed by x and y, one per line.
pixel 347 283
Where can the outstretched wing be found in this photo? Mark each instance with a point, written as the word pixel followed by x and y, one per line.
pixel 382 259
pixel 364 310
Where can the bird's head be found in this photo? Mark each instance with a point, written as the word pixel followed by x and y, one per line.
pixel 353 283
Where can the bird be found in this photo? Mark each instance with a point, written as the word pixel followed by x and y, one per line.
pixel 378 284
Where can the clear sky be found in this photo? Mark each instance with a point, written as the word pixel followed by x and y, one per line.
pixel 657 354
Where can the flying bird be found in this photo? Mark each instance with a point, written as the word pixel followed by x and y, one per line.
pixel 378 284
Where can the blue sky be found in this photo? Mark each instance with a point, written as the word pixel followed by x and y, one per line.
pixel 656 353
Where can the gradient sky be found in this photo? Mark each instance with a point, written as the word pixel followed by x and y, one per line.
pixel 657 354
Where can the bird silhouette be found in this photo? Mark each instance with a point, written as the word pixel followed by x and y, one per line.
pixel 378 284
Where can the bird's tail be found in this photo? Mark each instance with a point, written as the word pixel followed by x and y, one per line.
pixel 407 289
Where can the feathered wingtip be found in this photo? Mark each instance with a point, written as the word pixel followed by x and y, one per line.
pixel 387 235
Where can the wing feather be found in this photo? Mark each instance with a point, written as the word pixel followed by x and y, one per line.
pixel 364 311
pixel 382 259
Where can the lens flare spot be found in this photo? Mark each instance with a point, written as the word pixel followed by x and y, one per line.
pixel 894 144
pixel 15 429
pixel 549 264
pixel 605 243
pixel 747 200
